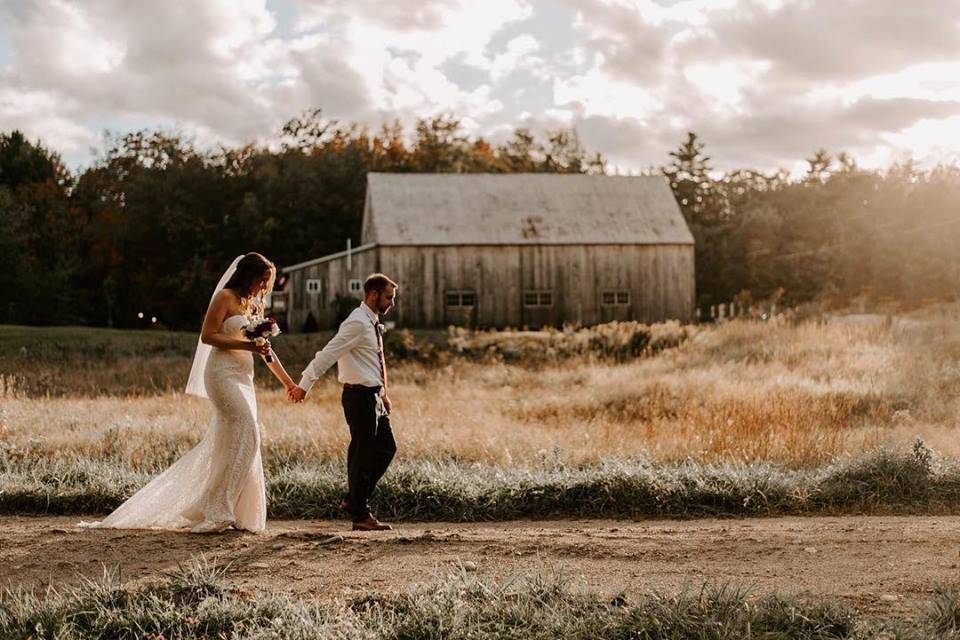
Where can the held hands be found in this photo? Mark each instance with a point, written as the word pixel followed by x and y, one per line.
pixel 295 394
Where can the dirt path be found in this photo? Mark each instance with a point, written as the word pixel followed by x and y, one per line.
pixel 884 565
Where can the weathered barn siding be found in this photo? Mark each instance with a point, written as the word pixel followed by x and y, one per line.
pixel 334 276
pixel 658 277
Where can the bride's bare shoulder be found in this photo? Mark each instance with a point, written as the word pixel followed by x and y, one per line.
pixel 226 300
pixel 226 294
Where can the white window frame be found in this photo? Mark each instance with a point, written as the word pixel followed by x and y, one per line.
pixel 460 294
pixel 618 297
pixel 355 285
pixel 312 285
pixel 543 298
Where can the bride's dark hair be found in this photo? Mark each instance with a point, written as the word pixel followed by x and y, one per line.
pixel 250 270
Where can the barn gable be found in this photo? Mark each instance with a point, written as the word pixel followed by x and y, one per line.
pixel 520 209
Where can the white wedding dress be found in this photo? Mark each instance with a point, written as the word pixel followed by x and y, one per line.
pixel 219 483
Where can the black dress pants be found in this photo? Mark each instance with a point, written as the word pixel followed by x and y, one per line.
pixel 371 449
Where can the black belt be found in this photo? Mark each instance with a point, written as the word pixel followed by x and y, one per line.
pixel 360 387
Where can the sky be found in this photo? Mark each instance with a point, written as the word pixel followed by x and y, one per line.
pixel 764 83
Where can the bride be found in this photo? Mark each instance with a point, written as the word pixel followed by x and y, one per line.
pixel 219 483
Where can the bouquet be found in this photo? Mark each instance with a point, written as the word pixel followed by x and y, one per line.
pixel 259 329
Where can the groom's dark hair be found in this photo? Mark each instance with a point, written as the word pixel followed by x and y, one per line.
pixel 377 282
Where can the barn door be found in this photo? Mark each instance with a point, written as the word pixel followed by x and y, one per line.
pixel 460 308
pixel 538 308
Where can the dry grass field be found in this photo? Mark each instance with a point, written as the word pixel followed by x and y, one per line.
pixel 794 393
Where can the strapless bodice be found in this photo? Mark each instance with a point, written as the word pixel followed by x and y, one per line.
pixel 228 359
pixel 233 326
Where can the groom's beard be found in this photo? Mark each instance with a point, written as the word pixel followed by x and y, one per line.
pixel 383 310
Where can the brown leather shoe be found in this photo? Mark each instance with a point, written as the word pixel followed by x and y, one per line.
pixel 371 524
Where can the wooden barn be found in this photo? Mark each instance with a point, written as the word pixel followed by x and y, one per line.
pixel 497 250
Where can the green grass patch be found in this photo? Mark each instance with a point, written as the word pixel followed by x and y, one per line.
pixel 198 601
pixel 881 482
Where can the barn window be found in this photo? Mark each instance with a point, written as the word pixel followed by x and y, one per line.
pixel 615 297
pixel 461 298
pixel 276 301
pixel 356 286
pixel 535 298
pixel 313 286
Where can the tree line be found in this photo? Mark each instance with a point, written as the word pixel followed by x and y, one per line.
pixel 153 220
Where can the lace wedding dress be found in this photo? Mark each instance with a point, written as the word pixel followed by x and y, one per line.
pixel 219 483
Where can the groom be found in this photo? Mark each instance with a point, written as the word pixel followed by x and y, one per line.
pixel 358 351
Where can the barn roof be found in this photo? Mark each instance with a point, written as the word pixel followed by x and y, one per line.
pixel 328 258
pixel 525 208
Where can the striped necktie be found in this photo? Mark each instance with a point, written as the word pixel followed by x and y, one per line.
pixel 383 362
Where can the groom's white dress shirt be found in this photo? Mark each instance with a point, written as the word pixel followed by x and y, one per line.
pixel 354 349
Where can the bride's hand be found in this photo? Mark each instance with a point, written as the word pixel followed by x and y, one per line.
pixel 262 349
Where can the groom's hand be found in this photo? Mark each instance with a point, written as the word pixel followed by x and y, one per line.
pixel 296 394
pixel 387 404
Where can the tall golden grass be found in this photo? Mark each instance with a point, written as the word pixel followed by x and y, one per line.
pixel 746 391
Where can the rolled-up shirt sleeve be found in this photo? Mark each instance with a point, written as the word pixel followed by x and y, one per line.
pixel 347 337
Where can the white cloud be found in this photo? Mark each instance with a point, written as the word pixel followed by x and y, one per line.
pixel 410 86
pixel 724 82
pixel 930 81
pixel 25 110
pixel 157 62
pixel 930 140
pixel 764 82
pixel 81 46
pixel 518 55
pixel 817 40
pixel 595 93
